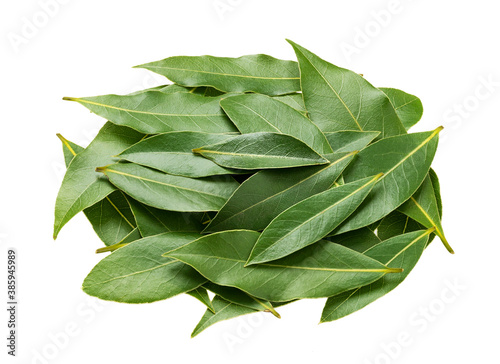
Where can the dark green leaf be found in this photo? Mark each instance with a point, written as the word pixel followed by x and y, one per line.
pixel 201 295
pixel 396 223
pixel 359 240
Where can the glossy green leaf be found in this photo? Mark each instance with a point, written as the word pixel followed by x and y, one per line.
pixel 155 112
pixel 346 141
pixel 408 107
pixel 320 270
pixel 253 113
pixel 308 221
pixel 402 252
pixel 168 192
pixel 395 224
pixel 258 73
pixel 137 273
pixel 224 310
pixel 70 149
pixel 241 298
pixel 172 153
pixel 261 151
pixel 267 193
pixel 201 295
pixel 359 240
pixel 339 99
pixel 423 208
pixel 404 160
pixel 153 221
pixel 82 186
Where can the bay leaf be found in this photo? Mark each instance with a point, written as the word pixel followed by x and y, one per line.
pixel 437 191
pixel 82 186
pixel 309 220
pixel 201 295
pixel 294 100
pixel 253 113
pixel 153 221
pixel 408 107
pixel 224 310
pixel 261 151
pixel 395 224
pixel 338 99
pixel 137 272
pixel 423 208
pixel 359 240
pixel 402 251
pixel 241 298
pixel 155 112
pixel 320 270
pixel 350 140
pixel 169 192
pixel 257 73
pixel 172 153
pixel 267 193
pixel 404 160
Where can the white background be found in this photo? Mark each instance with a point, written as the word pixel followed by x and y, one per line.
pixel 442 51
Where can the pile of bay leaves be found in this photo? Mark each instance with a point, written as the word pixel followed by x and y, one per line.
pixel 260 180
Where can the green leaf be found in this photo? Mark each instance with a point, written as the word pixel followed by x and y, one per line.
pixel 137 273
pixel 294 100
pixel 267 193
pixel 359 240
pixel 224 310
pixel 171 153
pixel 261 151
pixel 253 113
pixel 308 221
pixel 201 295
pixel 168 192
pixel 404 160
pixel 339 99
pixel 70 149
pixel 82 186
pixel 437 191
pixel 257 73
pixel 152 221
pixel 320 270
pixel 402 252
pixel 350 140
pixel 423 208
pixel 396 223
pixel 408 107
pixel 155 112
pixel 111 218
pixel 241 298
